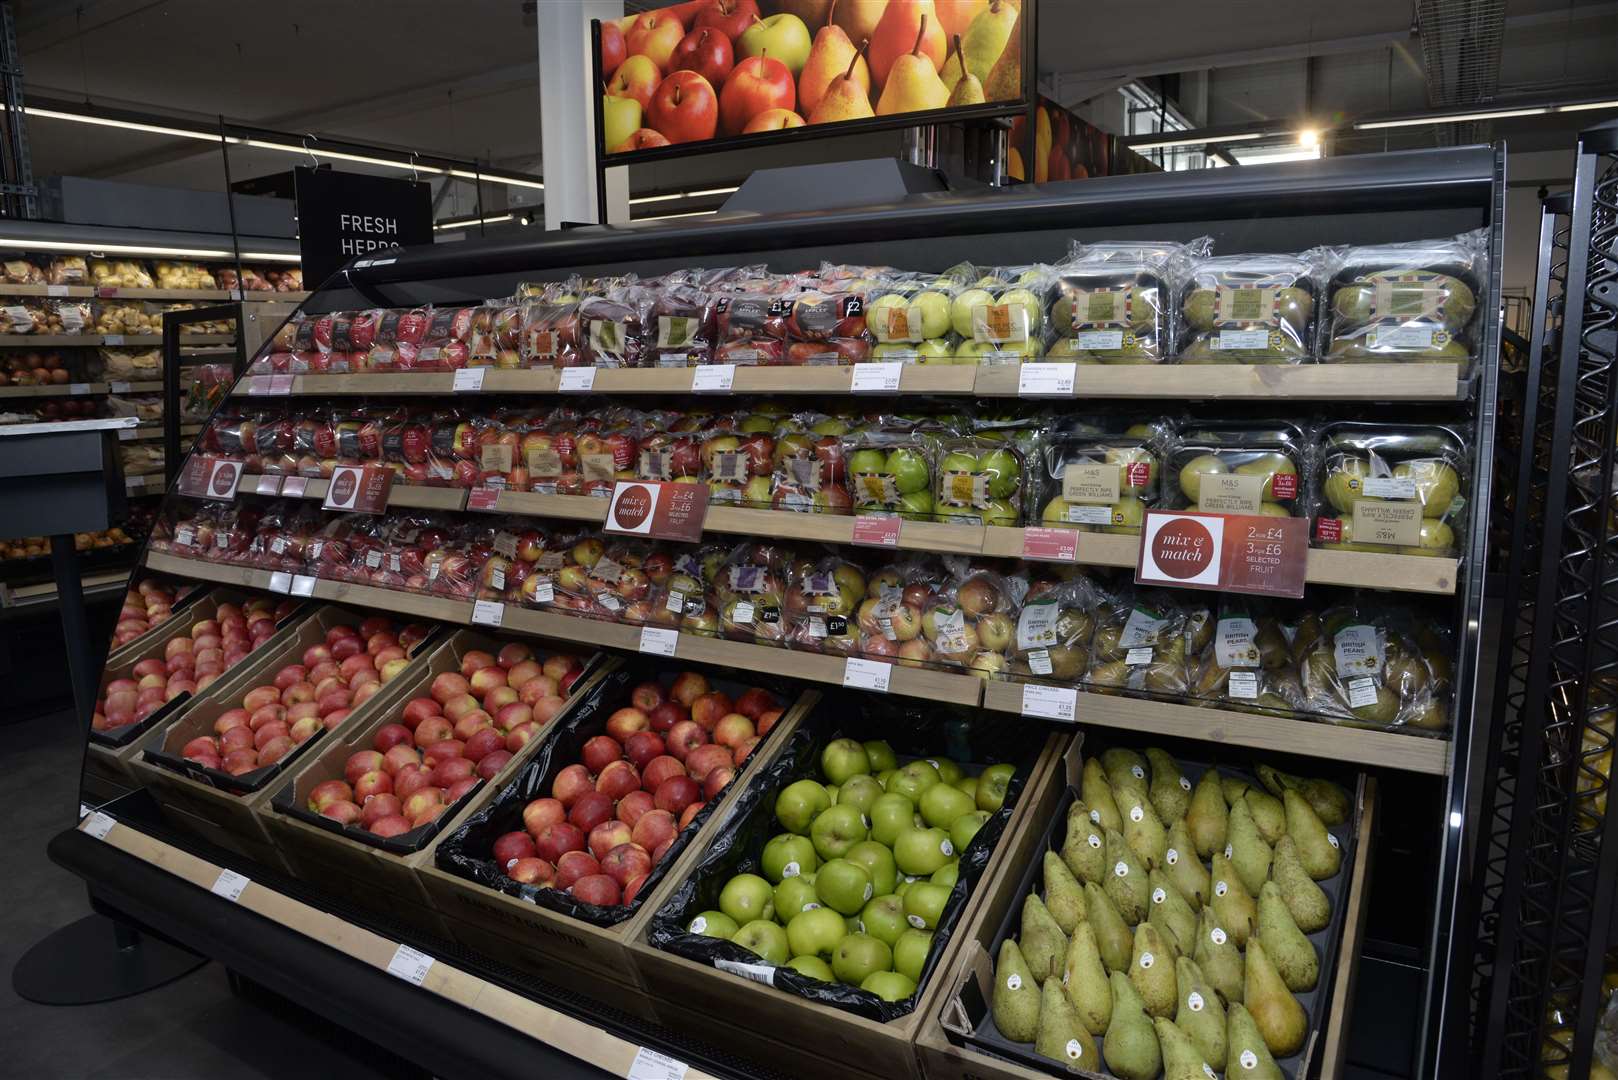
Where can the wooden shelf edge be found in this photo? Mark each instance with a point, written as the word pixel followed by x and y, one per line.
pixel 1410 753
pixel 1312 381
pixel 118 292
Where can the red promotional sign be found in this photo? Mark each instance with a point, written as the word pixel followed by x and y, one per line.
pixel 360 490
pixel 1050 545
pixel 1247 553
pixel 210 478
pixel 482 498
pixel 874 530
pixel 657 508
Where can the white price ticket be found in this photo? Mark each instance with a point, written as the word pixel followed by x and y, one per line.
pixel 230 884
pixel 1045 380
pixel 410 965
pixel 658 641
pixel 1051 702
pixel 98 825
pixel 712 378
pixel 577 380
pixel 488 612
pixel 280 582
pixel 303 585
pixel 468 380
pixel 867 675
pixel 876 378
pixel 651 1065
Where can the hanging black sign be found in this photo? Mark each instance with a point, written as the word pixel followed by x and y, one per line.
pixel 341 215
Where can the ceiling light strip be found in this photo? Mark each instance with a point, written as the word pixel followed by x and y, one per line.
pixel 1198 140
pixel 1450 118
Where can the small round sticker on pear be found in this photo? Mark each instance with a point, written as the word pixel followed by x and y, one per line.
pixel 1139 773
pixel 1172 856
pixel 1095 841
pixel 1136 814
pixel 1158 896
pixel 1184 783
pixel 1217 935
pixel 1074 1049
pixel 1194 1002
pixel 1121 868
pixel 1220 888
pixel 1147 960
pixel 1249 1059
pixel 1013 981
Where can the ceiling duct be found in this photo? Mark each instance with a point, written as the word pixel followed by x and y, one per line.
pixel 1460 46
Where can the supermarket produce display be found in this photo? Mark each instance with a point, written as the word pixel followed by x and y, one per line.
pixel 814 798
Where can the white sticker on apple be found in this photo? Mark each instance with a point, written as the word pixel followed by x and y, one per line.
pixel 791 869
pixel 698 925
pixel 947 848
pixel 869 892
pixel 811 906
pixel 921 924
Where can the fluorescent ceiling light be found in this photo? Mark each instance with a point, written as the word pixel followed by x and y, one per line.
pixel 112 249
pixel 665 217
pixel 155 129
pixel 515 181
pixel 711 191
pixel 1196 140
pixel 1450 118
pixel 270 256
pixel 656 198
pixel 1583 105
pixel 469 222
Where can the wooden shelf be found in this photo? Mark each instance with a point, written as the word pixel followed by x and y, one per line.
pixel 415 496
pixel 1279 734
pixel 564 507
pixel 113 292
pixel 154 430
pixel 68 341
pixel 54 390
pixel 1248 382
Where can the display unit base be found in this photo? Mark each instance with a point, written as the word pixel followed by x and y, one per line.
pixel 97 959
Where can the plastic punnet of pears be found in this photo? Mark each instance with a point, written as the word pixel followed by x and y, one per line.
pixel 1237 469
pixel 1111 301
pixel 1000 316
pixel 860 871
pixel 1249 662
pixel 1249 309
pixel 1378 668
pixel 1412 302
pixel 1390 489
pixel 1100 483
pixel 979 481
pixel 909 318
pixel 890 470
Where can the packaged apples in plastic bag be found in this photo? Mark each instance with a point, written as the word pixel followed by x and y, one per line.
pixel 979 481
pixel 969 620
pixel 808 474
pixel 1139 644
pixel 823 598
pixel 1237 468
pixel 1369 667
pixel 890 468
pixel 737 463
pixel 1000 317
pixel 750 320
pixel 750 590
pixel 1113 302
pixel 826 325
pixel 550 328
pixel 680 322
pixel 612 315
pixel 908 316
pixel 1406 302
pixel 1390 488
pixel 1248 309
pixel 1099 483
pixel 495 336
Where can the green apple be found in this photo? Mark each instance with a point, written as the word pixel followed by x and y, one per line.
pixel 797 806
pixel 812 966
pixel 746 897
pixel 788 855
pixel 935 312
pixel 916 505
pixel 921 851
pixel 881 756
pixel 891 814
pixel 992 784
pixel 713 924
pixel 924 904
pixel 948 771
pixel 860 792
pixel 889 985
pixel 909 470
pixel 884 918
pixel 859 956
pixel 914 779
pixel 815 932
pixel 866 461
pixel 960 310
pixel 783 37
pixel 843 886
pixel 933 351
pixel 1030 303
pixel 1005 473
pixel 844 759
pixel 836 829
pixel 963 828
pixel 958 462
pixel 942 803
pixel 853 924
pixel 969 784
pixel 831 425
pixel 876 313
pixel 946 875
pixel 620 118
pixel 793 895
pixel 764 938
pixel 910 952
pixel 831 793
pixel 885 775
pixel 904 885
pixel 878 861
pixel 755 424
pixel 1192 472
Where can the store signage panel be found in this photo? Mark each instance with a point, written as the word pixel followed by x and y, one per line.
pixel 1248 553
pixel 342 215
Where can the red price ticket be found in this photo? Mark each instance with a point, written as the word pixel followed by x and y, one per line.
pixel 1050 545
pixel 1245 553
pixel 482 498
pixel 876 531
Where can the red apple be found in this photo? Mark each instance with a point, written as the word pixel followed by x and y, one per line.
pixel 633 805
pixel 590 810
pixel 472 723
pixel 716 781
pixel 733 730
pixel 642 747
pixel 639 139
pixel 575 866
pixel 274 749
pixel 398 757
pixel 745 750
pixel 707 52
pixel 600 751
pixel 754 702
pixel 704 759
pixel 511 846
pixel 660 769
pixel 542 812
pixel 606 836
pixel 442 750
pixel 756 84
pixel 626 861
pixel 654 34
pixel 489 765
pixel 547 709
pixel 531 871
pixel 342 811
pixel 420 800
pixel 773 120
pixel 618 779
pixel 518 737
pixel 767 720
pixel 683 738
pixel 390 735
pixel 448 686
pixel 666 715
pixel 710 708
pixel 474 660
pixel 626 722
pixel 571 784
pixel 556 840
pixel 684 108
pixel 632 890
pixel 654 829
pixel 329 791
pixel 375 782
pixel 392 825
pixel 409 780
pixel 676 793
pixel 688 686
pixel 457 707
pixel 522 671
pixel 613 47
pixel 433 729
pixel 377 807
pixel 361 762
pixel 689 814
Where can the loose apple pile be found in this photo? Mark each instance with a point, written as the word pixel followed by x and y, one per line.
pixel 467 727
pixel 613 816
pixel 854 889
pixel 306 699
pixel 145 605
pixel 191 662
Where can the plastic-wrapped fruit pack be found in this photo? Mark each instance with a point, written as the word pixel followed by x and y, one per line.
pixel 1247 662
pixel 1246 468
pixel 1139 643
pixel 1379 668
pixel 823 597
pixel 1406 302
pixel 611 322
pixel 680 320
pixel 738 459
pixel 908 316
pixel 1099 483
pixel 890 469
pixel 826 326
pixel 1390 488
pixel 1112 301
pixel 808 473
pixel 1000 317
pixel 1054 626
pixel 979 481
pixel 750 320
pixel 550 331
pixel 750 592
pixel 1248 309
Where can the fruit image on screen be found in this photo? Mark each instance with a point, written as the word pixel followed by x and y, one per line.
pixel 717 69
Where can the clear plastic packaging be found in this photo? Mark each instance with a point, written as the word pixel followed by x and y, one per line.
pixel 1390 488
pixel 1368 667
pixel 1237 468
pixel 550 332
pixel 750 321
pixel 826 326
pixel 66 270
pixel 908 317
pixel 891 469
pixel 25 272
pixel 1112 302
pixel 822 600
pixel 750 591
pixel 494 336
pixel 1000 317
pixel 1414 302
pixel 737 463
pixel 1139 644
pixel 1099 483
pixel 611 324
pixel 119 273
pixel 680 320
pixel 980 481
pixel 809 472
pixel 1245 662
pixel 1054 626
pixel 1248 309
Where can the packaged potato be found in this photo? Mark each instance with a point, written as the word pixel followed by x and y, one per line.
pixel 908 316
pixel 172 274
pixel 1237 468
pixel 23 272
pixel 1248 309
pixel 1112 302
pixel 67 270
pixel 25 317
pixel 1413 302
pixel 127 317
pixel 1096 482
pixel 1390 488
pixel 1000 317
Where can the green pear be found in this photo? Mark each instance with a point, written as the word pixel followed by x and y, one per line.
pixel 1126 881
pixel 1171 913
pixel 1170 791
pixel 1280 1019
pixel 1218 957
pixel 1143 831
pixel 1084 849
pixel 954 67
pixel 1291 952
pixel 1268 814
pixel 987 36
pixel 1317 848
pixel 1061 1035
pixel 1232 904
pixel 1234 788
pixel 1331 803
pixel 1097 795
pixel 1182 866
pixel 1004 81
pixel 1125 769
pixel 1206 819
pixel 1064 898
pixel 1151 971
pixel 1130 1047
pixel 912 83
pixel 1112 933
pixel 969 91
pixel 1084 977
pixel 1181 1058
pixel 1200 1013
pixel 1015 1003
pixel 1307 902
pixel 1246 848
pixel 1248 1057
pixel 1042 942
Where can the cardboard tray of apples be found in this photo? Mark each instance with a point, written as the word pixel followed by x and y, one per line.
pixel 1036 881
pixel 916 735
pixel 638 719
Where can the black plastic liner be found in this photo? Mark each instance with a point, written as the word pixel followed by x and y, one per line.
pixel 467 852
pixel 914 731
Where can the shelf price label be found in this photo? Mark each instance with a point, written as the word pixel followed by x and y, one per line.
pixel 659 641
pixel 577 380
pixel 56 290
pixel 358 489
pixel 488 612
pixel 651 1065
pixel 293 487
pixel 280 581
pixel 482 498
pixel 79 388
pixel 1050 702
pixel 267 485
pixel 210 478
pixel 867 675
pixel 112 339
pixel 467 380
pixel 1245 553
pixel 229 884
pixel 258 385
pixel 302 585
pixel 409 964
pixel 876 378
pixel 1050 545
pixel 712 378
pixel 873 530
pixel 1045 380
pixel 98 825
pixel 657 508
pixel 280 385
